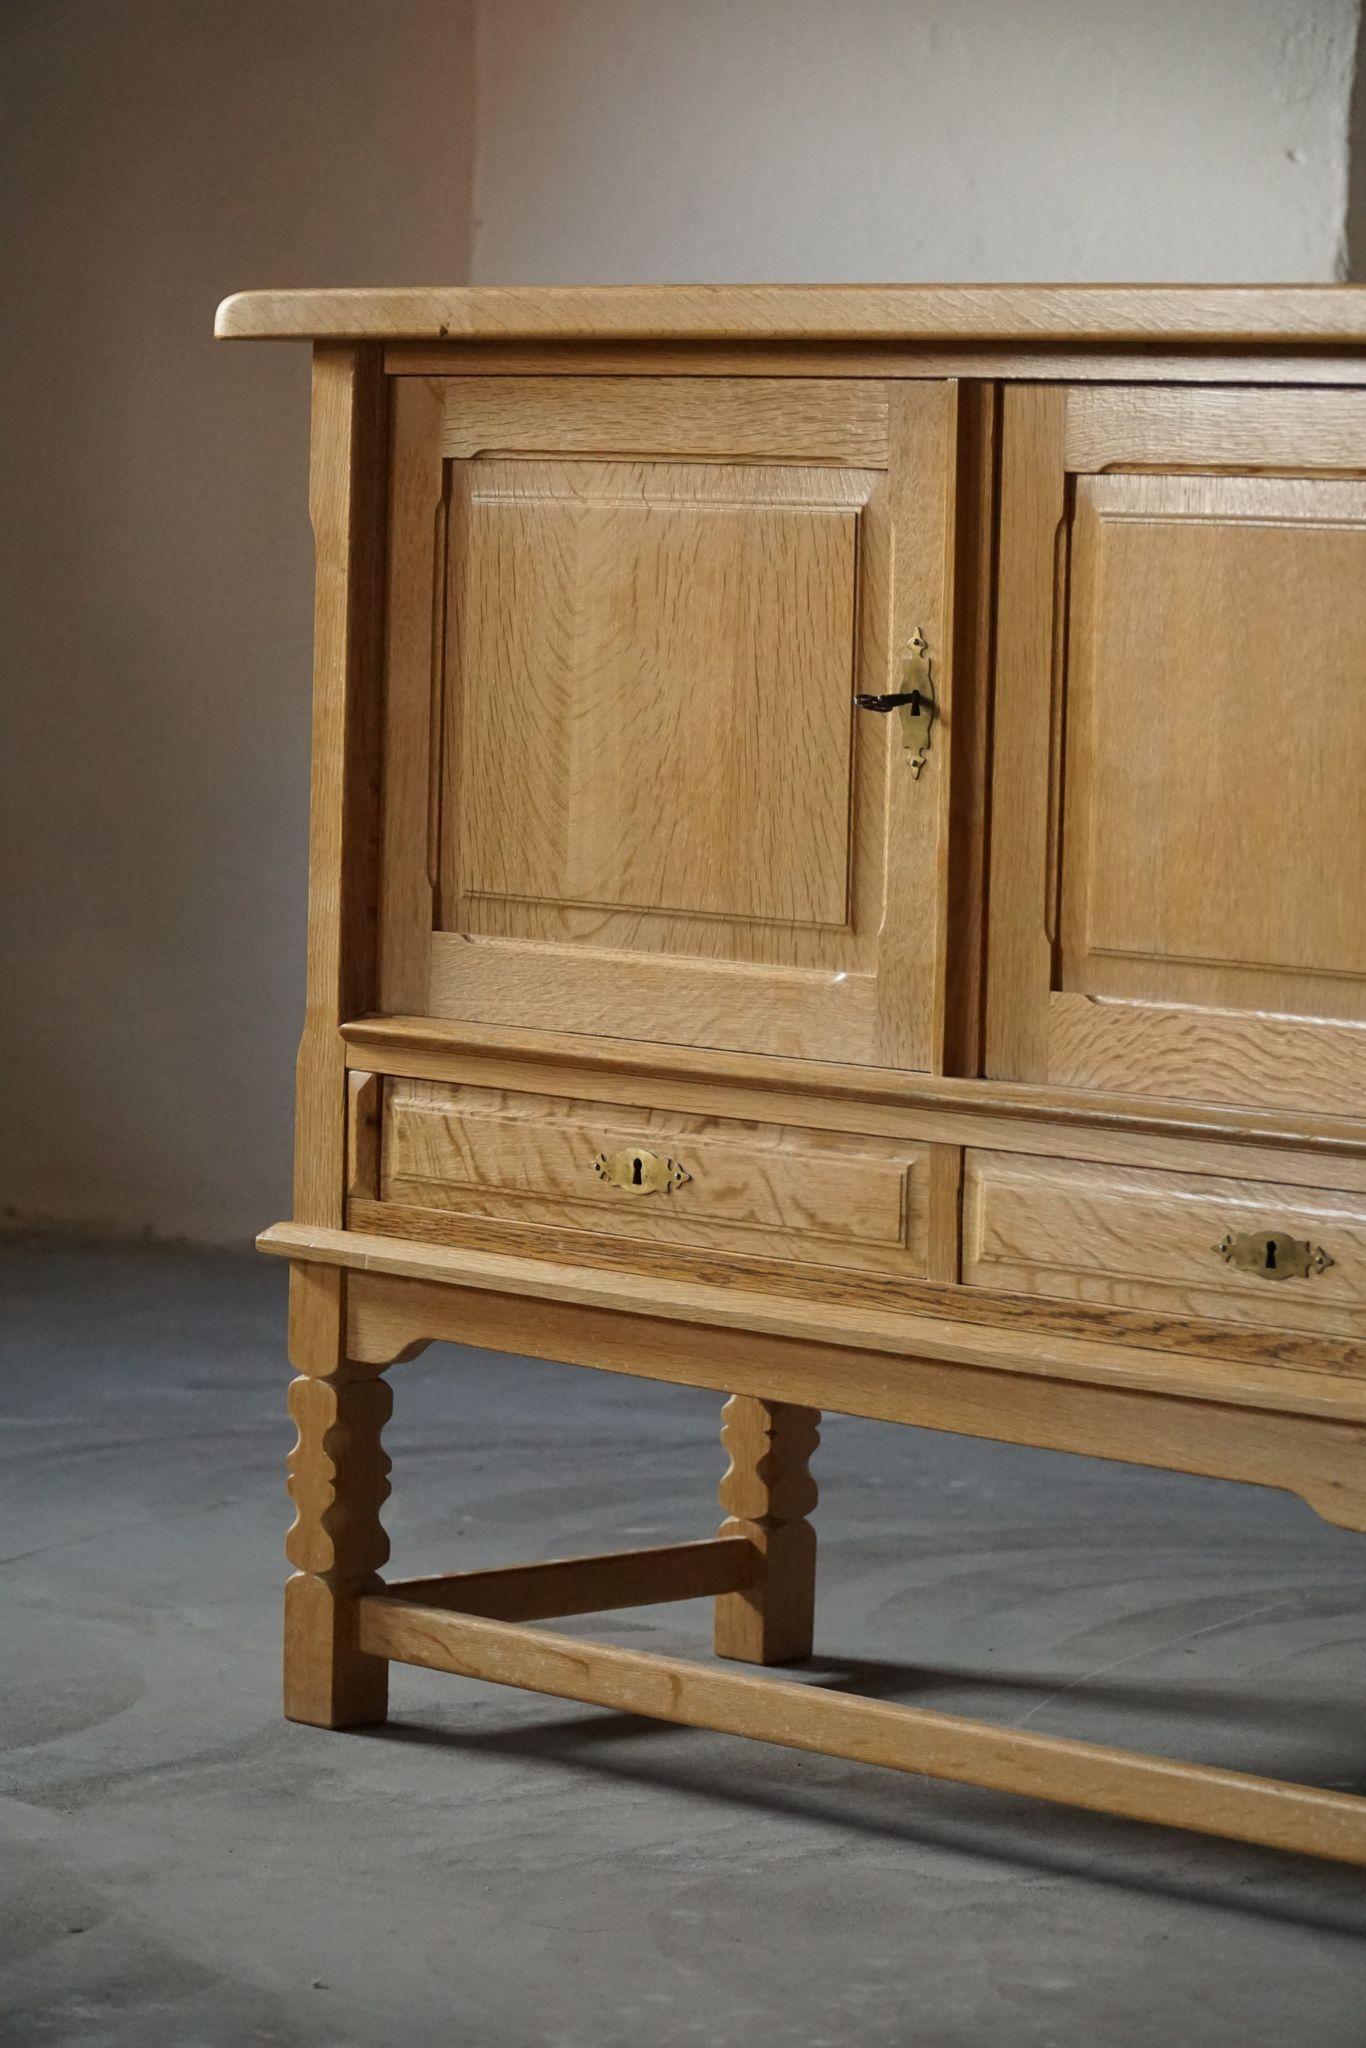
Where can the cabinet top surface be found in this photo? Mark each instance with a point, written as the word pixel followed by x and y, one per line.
pixel 1214 315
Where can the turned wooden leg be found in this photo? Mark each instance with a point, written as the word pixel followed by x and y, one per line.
pixel 338 1481
pixel 767 1493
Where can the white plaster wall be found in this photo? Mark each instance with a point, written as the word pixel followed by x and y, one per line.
pixel 1061 140
pixel 157 610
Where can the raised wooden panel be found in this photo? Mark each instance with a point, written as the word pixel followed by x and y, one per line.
pixel 1215 794
pixel 1129 1238
pixel 824 1197
pixel 649 654
pixel 721 419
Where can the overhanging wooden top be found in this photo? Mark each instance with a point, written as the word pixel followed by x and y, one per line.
pixel 1098 315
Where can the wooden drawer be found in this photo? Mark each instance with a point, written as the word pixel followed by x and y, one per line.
pixel 1134 1238
pixel 774 1190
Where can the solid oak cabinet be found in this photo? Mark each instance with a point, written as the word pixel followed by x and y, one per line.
pixel 838 835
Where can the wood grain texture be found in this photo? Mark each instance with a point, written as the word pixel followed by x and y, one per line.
pixel 661 884
pixel 1213 805
pixel 1118 1235
pixel 1136 427
pixel 1158 1790
pixel 825 1197
pixel 652 698
pixel 1259 1347
pixel 1210 1055
pixel 805 419
pixel 894 1332
pixel 346 496
pixel 671 1000
pixel 665 819
pixel 1197 364
pixel 912 972
pixel 945 1188
pixel 589 1585
pixel 1151 1410
pixel 768 1494
pixel 1029 314
pixel 338 1481
pixel 364 1110
pixel 414 621
pixel 850 1097
pixel 1019 936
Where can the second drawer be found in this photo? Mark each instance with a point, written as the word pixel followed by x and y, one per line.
pixel 714 1183
pixel 1288 1258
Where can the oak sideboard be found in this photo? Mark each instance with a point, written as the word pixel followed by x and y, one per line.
pixel 836 876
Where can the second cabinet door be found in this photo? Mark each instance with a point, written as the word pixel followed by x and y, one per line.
pixel 628 791
pixel 1177 903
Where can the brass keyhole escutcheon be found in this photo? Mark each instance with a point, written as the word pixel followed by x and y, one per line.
pixel 640 1173
pixel 913 703
pixel 1272 1254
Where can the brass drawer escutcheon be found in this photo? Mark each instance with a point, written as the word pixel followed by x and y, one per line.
pixel 640 1173
pixel 1272 1254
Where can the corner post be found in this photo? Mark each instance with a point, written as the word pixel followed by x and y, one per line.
pixel 338 1481
pixel 338 1471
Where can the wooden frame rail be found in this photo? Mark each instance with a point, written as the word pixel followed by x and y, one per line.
pixel 401 1627
pixel 589 1585
pixel 902 1368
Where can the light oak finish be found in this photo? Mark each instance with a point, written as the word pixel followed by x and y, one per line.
pixel 826 1197
pixel 1129 1238
pixel 1177 920
pixel 1025 735
pixel 364 1110
pixel 892 1333
pixel 1216 713
pixel 666 1017
pixel 817 1287
pixel 590 1585
pixel 806 420
pixel 586 755
pixel 1278 315
pixel 1146 1788
pixel 1135 427
pixel 1265 1428
pixel 860 1098
pixel 413 660
pixel 659 814
pixel 981 364
pixel 346 498
pixel 1205 1051
pixel 338 1481
pixel 768 1493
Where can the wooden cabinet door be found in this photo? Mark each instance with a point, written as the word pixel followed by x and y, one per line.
pixel 627 790
pixel 1178 901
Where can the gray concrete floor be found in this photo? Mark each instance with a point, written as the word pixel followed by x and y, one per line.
pixel 182 1869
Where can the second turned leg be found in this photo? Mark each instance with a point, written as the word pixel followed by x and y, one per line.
pixel 768 1492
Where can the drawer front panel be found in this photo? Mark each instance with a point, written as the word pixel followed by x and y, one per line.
pixel 712 1182
pixel 1133 1238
